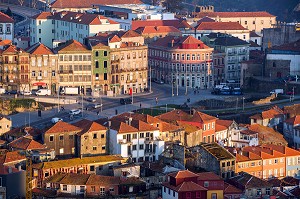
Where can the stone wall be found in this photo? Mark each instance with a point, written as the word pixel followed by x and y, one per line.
pixel 277 68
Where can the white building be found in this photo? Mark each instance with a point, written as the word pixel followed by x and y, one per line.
pixel 126 13
pixel 48 27
pixel 6 27
pixel 136 140
pixel 291 131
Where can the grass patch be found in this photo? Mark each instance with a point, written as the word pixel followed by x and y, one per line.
pixel 21 103
pixel 157 110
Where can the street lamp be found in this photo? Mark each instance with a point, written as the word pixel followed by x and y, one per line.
pixel 243 103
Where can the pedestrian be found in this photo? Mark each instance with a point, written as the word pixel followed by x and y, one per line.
pixel 140 105
pixel 156 100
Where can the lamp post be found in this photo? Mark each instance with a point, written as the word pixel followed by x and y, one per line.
pixel 101 103
pixel 243 103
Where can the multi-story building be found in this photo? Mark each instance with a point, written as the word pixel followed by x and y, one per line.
pixel 14 68
pixel 127 69
pixel 255 21
pixel 49 27
pixel 5 125
pixel 212 157
pixel 213 183
pixel 43 67
pixel 6 27
pixel 181 61
pixel 74 66
pixel 62 138
pixel 233 28
pixel 91 140
pixel 135 139
pixel 236 50
pixel 268 161
pixel 291 131
pixel 219 67
pixel 270 118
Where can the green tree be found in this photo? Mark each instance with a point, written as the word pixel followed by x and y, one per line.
pixel 173 5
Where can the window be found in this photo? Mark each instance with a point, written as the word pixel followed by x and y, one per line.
pixel 173 193
pixel 198 195
pixel 61 137
pixel 92 168
pixel 105 64
pixel 130 189
pixel 96 64
pixel 141 146
pixel 81 188
pixel 65 187
pixel 165 189
pixel 102 191
pixel 246 22
pixel 71 137
pixel 94 148
pixel 104 53
pixel 268 192
pixel 95 136
pixel 105 76
pixel 141 135
pixel 206 183
pixel 61 151
pixel 93 188
pixel 111 189
pixel 102 136
pixel 258 192
pixel 213 196
pixel 188 195
pixel 103 147
pixel 134 136
pixel 276 161
pixel 134 147
pixel 51 138
pixel 96 54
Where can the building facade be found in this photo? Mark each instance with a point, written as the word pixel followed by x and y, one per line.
pixel 6 27
pixel 182 62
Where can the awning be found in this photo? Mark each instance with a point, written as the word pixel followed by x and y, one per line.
pixel 39 84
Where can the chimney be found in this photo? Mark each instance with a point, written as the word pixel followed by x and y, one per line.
pixel 19 167
pixel 129 120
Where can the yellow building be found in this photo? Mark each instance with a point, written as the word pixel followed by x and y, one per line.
pixel 5 125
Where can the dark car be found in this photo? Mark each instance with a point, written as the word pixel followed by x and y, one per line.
pixel 124 101
pixel 13 92
pixel 90 99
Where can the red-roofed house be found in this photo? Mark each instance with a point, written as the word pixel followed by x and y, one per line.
pixel 291 130
pixel 270 118
pixel 44 24
pixel 187 56
pixel 62 138
pixel 135 139
pixel 152 33
pixel 6 27
pixel 233 28
pixel 183 185
pixel 255 21
pixel 213 183
pixel 92 139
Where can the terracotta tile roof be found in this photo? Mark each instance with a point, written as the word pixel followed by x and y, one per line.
pixel 78 161
pixel 39 49
pixel 177 42
pixel 132 181
pixel 294 46
pixel 173 116
pixel 190 127
pixel 206 176
pixel 183 24
pixel 13 156
pixel 230 189
pixel 88 3
pixel 42 15
pixel 256 116
pixel 15 132
pixel 115 38
pixel 164 127
pixel 4 170
pixel 157 29
pixel 102 180
pixel 219 26
pixel 136 116
pixel 75 179
pixel 88 126
pixel 11 49
pixel 185 187
pixel 233 14
pixel 294 120
pixel 225 123
pixel 248 181
pixel 267 135
pixel 128 34
pixel 219 127
pixel 142 126
pixel 274 112
pixel 62 127
pixel 205 19
pixel 142 23
pixel 122 127
pixel 5 42
pixel 4 18
pixel 56 178
pixel 71 45
pixel 44 192
pixel 183 174
pixel 283 149
pixel 202 117
pixel 26 143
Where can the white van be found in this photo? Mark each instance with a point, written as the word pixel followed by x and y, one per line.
pixel 43 92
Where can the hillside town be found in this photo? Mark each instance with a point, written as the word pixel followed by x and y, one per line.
pixel 148 100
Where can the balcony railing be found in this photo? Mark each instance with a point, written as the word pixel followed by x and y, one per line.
pixel 65 71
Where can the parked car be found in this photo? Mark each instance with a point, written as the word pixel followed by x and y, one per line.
pixel 90 99
pixel 97 106
pixel 92 106
pixel 26 93
pixel 75 112
pixel 56 119
pixel 13 92
pixel 124 101
pixel 43 92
